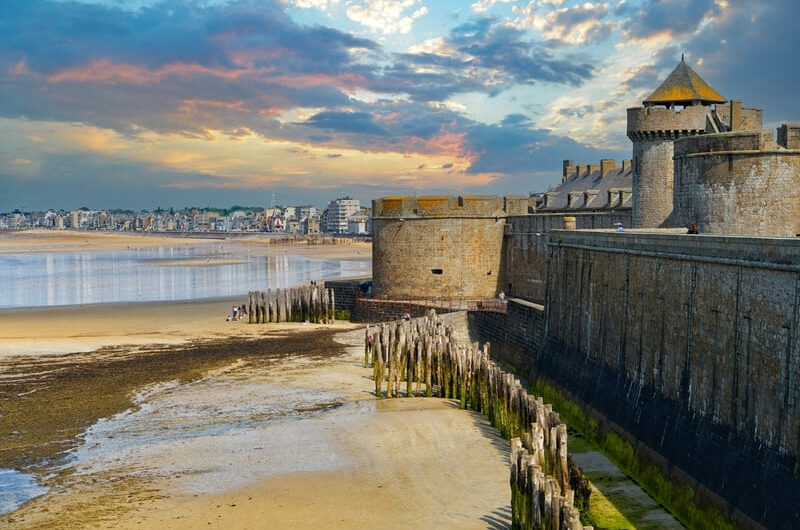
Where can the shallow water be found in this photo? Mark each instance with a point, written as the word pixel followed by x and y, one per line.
pixel 156 274
pixel 16 489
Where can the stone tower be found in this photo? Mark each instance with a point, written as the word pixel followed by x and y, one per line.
pixel 652 129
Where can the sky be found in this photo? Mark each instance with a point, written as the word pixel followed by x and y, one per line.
pixel 139 104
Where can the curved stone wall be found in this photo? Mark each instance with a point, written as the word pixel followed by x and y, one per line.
pixel 652 131
pixel 438 247
pixel 737 183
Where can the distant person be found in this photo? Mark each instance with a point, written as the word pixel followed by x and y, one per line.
pixel 235 312
pixel 692 229
pixel 620 228
pixel 407 317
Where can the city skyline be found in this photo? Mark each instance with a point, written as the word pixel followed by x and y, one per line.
pixel 176 103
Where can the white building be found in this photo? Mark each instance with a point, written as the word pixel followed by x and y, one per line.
pixel 338 213
pixel 357 224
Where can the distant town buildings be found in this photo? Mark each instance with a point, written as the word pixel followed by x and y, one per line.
pixel 338 213
pixel 343 216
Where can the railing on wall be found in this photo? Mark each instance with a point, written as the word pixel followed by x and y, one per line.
pixel 494 305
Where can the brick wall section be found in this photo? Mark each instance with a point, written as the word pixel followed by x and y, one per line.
pixel 516 334
pixel 344 292
pixel 525 245
pixel 692 345
pixel 737 183
pixel 366 310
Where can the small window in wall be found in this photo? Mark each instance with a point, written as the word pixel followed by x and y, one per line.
pixel 436 271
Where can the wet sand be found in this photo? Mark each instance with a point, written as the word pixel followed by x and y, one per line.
pixel 72 241
pixel 321 451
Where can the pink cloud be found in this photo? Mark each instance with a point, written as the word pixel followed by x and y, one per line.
pixel 107 71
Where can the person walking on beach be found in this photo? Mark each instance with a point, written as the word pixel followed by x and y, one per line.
pixel 235 313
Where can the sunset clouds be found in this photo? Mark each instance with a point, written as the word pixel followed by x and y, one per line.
pixel 170 103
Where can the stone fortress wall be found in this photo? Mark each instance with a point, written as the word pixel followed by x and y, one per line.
pixel 744 183
pixel 688 346
pixel 692 346
pixel 525 247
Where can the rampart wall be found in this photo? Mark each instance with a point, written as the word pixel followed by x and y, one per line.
pixel 525 247
pixel 691 345
pixel 738 183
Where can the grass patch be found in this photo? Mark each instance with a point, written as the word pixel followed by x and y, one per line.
pixel 577 443
pixel 341 314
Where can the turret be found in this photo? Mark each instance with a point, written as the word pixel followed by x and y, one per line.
pixel 652 129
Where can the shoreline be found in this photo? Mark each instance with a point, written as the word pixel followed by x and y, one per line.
pixel 367 463
pixel 80 240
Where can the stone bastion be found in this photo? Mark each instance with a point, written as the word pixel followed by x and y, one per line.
pixel 441 246
pixel 739 183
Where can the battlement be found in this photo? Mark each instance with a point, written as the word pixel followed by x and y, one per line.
pixel 444 206
pixel 660 122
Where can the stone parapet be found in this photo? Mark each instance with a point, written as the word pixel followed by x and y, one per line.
pixel 442 206
pixel 725 142
pixel 659 122
pixel 769 252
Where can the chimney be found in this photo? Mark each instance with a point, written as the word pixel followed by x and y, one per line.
pixel 736 114
pixel 626 165
pixel 578 170
pixel 567 169
pixel 789 135
pixel 593 167
pixel 606 165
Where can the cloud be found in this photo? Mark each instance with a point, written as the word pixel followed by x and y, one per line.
pixel 347 122
pixel 578 24
pixel 482 6
pixel 322 5
pixel 745 55
pixel 386 16
pixel 485 56
pixel 671 19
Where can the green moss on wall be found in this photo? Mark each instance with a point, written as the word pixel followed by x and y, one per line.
pixel 678 499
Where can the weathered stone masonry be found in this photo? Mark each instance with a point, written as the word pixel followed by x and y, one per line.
pixel 689 345
pixel 447 246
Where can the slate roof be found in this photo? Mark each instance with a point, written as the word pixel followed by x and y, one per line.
pixel 683 87
pixel 597 186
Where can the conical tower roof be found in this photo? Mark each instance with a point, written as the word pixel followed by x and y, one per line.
pixel 683 87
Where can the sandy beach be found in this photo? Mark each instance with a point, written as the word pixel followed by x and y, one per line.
pixel 164 415
pixel 70 240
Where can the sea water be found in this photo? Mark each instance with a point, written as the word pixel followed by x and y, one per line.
pixel 17 488
pixel 167 273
